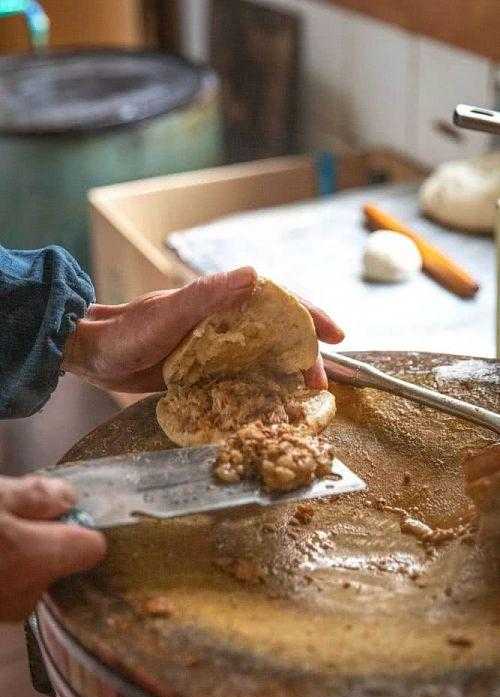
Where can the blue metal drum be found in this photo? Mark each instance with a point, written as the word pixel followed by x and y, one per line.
pixel 70 121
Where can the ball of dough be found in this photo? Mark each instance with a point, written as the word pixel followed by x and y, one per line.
pixel 390 257
pixel 464 194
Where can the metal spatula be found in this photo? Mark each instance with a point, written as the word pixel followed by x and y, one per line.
pixel 164 484
pixel 349 371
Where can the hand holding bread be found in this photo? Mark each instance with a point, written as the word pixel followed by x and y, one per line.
pixel 246 364
pixel 123 347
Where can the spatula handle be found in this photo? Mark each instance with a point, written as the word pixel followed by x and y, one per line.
pixel 476 118
pixel 349 371
pixel 76 516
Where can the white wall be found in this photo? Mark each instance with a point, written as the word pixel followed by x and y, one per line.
pixel 370 83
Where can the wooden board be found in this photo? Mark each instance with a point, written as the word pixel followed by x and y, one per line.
pixel 348 606
pixel 315 249
pixel 473 25
pixel 130 220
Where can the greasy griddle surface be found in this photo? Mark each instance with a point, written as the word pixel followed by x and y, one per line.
pixel 347 604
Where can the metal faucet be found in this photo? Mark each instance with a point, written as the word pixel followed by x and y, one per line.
pixel 37 21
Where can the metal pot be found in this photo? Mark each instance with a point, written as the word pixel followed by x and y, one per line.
pixel 73 120
pixel 71 671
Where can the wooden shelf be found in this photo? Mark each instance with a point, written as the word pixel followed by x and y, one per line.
pixel 473 25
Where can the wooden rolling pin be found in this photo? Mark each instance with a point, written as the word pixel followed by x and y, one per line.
pixel 435 263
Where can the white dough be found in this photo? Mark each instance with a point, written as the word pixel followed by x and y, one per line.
pixel 463 194
pixel 390 257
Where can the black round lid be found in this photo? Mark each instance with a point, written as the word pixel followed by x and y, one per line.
pixel 85 91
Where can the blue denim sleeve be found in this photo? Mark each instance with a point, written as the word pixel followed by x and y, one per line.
pixel 42 295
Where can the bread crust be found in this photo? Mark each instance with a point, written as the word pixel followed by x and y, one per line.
pixel 272 330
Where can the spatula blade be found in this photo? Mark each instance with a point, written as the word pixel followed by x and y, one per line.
pixel 170 483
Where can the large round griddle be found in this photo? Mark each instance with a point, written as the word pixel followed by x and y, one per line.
pixel 348 604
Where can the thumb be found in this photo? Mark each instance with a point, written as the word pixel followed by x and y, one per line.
pixel 55 550
pixel 218 291
pixel 35 497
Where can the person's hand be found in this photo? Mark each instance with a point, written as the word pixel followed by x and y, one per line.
pixel 480 463
pixel 123 347
pixel 482 476
pixel 34 551
pixel 330 333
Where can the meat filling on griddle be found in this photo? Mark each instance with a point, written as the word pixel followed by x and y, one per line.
pixel 284 456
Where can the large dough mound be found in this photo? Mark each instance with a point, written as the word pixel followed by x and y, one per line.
pixel 272 330
pixel 464 194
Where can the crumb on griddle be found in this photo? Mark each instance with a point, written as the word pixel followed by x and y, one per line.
pixel 284 456
pixel 158 606
pixel 269 527
pixel 416 527
pixel 304 513
pixel 460 641
pixel 245 570
pixel 151 604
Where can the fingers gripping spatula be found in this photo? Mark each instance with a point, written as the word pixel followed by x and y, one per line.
pixel 121 490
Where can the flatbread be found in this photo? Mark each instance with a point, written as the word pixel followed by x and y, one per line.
pixel 210 412
pixel 243 365
pixel 272 330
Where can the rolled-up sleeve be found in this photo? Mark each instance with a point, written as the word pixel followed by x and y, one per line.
pixel 42 295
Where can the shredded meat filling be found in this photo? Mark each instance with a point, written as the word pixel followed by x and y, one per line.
pixel 232 402
pixel 284 456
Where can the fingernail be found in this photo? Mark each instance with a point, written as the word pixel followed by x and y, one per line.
pixel 335 335
pixel 241 278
